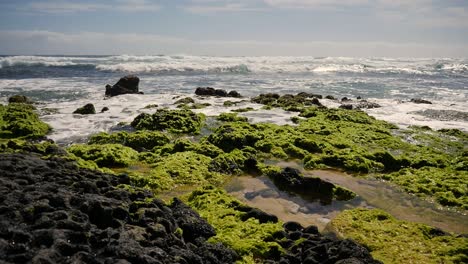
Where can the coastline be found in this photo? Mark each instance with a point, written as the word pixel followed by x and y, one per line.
pixel 187 148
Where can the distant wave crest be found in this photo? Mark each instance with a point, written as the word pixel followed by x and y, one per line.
pixel 167 68
pixel 189 64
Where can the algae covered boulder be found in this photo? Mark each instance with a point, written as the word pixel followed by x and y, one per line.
pixel 174 121
pixel 106 155
pixel 395 241
pixel 19 99
pixel 20 120
pixel 87 109
pixel 139 140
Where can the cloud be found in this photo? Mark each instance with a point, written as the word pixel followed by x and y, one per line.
pixel 85 43
pixel 213 6
pixel 66 6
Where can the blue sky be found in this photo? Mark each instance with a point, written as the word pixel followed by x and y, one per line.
pixel 400 28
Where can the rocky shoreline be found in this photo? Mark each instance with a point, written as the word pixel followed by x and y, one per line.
pixel 97 202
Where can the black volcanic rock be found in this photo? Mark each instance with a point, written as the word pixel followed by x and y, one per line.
pixel 210 91
pixel 420 101
pixel 54 212
pixel 87 109
pixel 126 85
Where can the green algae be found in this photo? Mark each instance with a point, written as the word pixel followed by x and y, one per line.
pixel 243 110
pixel 105 155
pixel 231 117
pixel 187 168
pixel 394 241
pixel 20 121
pixel 138 140
pixel 174 121
pixel 447 186
pixel 250 238
pixel 176 169
pixel 356 142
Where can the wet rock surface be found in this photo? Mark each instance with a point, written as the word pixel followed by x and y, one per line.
pixel 307 245
pixel 126 85
pixel 310 188
pixel 420 101
pixel 210 91
pixel 87 109
pixel 53 212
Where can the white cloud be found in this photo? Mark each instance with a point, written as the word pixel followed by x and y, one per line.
pixel 66 6
pixel 213 6
pixel 46 42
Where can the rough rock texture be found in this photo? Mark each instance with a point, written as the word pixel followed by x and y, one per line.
pixel 420 101
pixel 53 212
pixel 311 188
pixel 126 85
pixel 306 245
pixel 88 109
pixel 361 104
pixel 210 91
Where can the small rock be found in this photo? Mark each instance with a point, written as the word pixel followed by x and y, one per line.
pixel 234 94
pixel 329 97
pixel 420 101
pixel 86 110
pixel 104 109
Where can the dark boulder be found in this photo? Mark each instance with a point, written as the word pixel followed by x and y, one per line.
pixel 329 97
pixel 260 215
pixel 346 106
pixel 234 94
pixel 221 93
pixel 193 226
pixel 420 101
pixel 126 85
pixel 210 91
pixel 309 188
pixel 104 109
pixel 345 99
pixel 19 99
pixel 205 91
pixel 88 109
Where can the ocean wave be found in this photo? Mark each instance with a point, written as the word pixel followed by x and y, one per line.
pixel 190 64
pixel 452 67
pixel 140 67
pixel 32 61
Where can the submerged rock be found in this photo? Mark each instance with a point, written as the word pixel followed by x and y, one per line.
pixel 311 188
pixel 87 109
pixel 126 85
pixel 420 101
pixel 54 212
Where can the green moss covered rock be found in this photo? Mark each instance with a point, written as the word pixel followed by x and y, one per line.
pixel 20 120
pixel 138 140
pixel 394 241
pixel 249 238
pixel 105 155
pixel 180 168
pixel 174 121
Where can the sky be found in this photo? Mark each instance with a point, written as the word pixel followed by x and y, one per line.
pixel 354 28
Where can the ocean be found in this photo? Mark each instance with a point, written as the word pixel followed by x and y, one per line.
pixel 60 84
